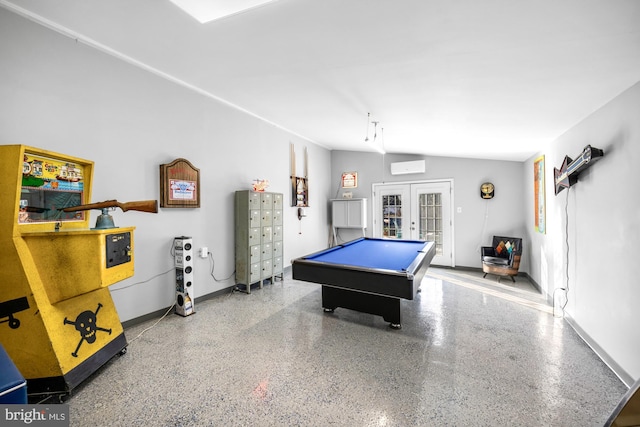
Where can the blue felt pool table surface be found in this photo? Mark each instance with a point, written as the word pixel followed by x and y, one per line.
pixel 372 253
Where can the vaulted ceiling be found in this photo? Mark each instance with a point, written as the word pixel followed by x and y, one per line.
pixel 493 79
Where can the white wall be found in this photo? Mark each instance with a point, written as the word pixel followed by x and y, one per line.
pixel 603 219
pixel 504 213
pixel 63 96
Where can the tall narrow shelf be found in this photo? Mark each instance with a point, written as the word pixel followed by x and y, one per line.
pixel 348 213
pixel 258 237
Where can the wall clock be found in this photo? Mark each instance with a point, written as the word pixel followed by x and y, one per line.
pixel 487 190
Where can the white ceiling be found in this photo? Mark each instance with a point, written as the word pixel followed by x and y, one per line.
pixel 493 79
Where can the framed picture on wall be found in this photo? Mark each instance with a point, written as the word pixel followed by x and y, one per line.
pixel 349 179
pixel 179 185
pixel 300 192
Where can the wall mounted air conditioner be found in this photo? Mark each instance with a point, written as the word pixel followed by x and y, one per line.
pixel 403 168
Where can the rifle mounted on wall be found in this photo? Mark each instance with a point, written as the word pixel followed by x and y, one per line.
pixel 150 206
pixel 105 220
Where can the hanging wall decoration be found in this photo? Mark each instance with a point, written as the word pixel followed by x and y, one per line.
pixel 349 179
pixel 487 190
pixel 539 195
pixel 568 173
pixel 299 184
pixel 179 185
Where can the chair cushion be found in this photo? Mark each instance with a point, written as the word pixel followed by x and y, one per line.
pixel 495 260
pixel 504 249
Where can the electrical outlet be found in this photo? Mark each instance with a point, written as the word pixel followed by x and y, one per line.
pixel 204 252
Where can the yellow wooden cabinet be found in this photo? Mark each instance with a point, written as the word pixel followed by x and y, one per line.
pixel 58 322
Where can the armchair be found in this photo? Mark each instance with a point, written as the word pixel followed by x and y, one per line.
pixel 502 258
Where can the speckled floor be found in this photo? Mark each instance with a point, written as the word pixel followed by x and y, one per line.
pixel 471 352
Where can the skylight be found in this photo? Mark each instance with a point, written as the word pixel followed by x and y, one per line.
pixel 209 10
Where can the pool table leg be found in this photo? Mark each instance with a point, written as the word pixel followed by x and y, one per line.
pixel 387 307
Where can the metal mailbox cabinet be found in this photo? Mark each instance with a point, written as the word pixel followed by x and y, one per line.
pixel 258 237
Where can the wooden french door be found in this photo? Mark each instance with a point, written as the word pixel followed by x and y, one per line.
pixel 416 211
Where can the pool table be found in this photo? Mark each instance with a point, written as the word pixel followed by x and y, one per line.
pixel 368 275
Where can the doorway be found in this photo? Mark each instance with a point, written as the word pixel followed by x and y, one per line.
pixel 416 211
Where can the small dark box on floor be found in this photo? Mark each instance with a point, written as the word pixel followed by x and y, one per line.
pixel 13 386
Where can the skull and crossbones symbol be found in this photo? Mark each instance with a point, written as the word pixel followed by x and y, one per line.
pixel 86 325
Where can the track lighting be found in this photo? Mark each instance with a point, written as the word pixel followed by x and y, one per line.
pixel 366 139
pixel 379 149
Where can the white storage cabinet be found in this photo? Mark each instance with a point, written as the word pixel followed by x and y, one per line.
pixel 348 213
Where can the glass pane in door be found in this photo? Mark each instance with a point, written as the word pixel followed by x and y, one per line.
pixel 392 216
pixel 430 221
